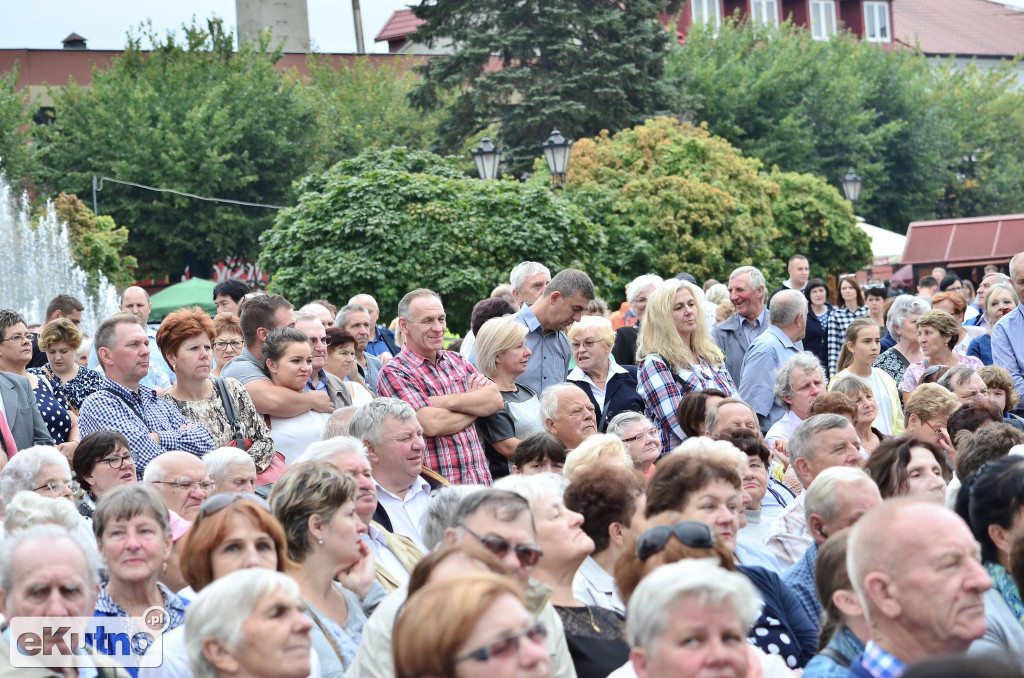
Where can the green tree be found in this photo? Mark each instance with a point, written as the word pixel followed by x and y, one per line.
pixel 822 107
pixel 15 154
pixel 96 243
pixel 194 116
pixel 577 65
pixel 390 221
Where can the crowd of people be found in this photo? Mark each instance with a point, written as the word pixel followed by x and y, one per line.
pixel 715 480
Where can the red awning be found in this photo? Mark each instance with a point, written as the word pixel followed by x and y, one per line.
pixel 964 242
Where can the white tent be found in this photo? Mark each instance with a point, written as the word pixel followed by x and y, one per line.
pixel 886 246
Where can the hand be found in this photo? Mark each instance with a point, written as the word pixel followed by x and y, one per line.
pixel 185 427
pixel 780 452
pixel 321 402
pixel 476 382
pixel 360 576
pixel 68 449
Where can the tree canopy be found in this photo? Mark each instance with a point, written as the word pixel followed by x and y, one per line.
pixel 96 243
pixel 15 153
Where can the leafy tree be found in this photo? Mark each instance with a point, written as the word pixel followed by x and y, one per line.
pixel 363 105
pixel 14 151
pixel 96 243
pixel 576 65
pixel 390 221
pixel 194 116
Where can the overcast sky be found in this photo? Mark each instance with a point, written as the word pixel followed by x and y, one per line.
pixel 104 23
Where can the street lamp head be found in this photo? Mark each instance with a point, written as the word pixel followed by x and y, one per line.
pixel 556 153
pixel 486 156
pixel 851 186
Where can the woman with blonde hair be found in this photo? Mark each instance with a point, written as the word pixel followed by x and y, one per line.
pixel 678 356
pixel 927 414
pixel 610 386
pixel 856 359
pixel 70 384
pixel 954 304
pixel 502 355
pixel 1000 300
pixel 601 447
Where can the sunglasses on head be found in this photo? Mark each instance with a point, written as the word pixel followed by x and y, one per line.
pixel 499 546
pixel 219 501
pixel 691 532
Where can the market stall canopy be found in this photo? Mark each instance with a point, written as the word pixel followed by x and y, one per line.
pixel 192 292
pixel 965 242
pixel 886 246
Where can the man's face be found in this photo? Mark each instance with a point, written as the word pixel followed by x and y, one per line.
pixel 136 302
pixel 74 316
pixel 973 390
pixel 51 579
pixel 986 282
pixel 424 333
pixel 356 466
pixel 576 418
pixel 367 302
pixel 834 447
pixel 748 302
pixel 939 582
pixel 1018 277
pixel 359 325
pixel 184 470
pixel 533 287
pixel 225 304
pixel 566 310
pixel 238 478
pixel 735 417
pixel 129 359
pixel 314 329
pixel 852 501
pixel 518 532
pixel 806 387
pixel 799 272
pixel 283 317
pixel 398 458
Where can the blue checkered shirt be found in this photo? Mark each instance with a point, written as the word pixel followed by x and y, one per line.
pixel 800 580
pixel 881 664
pixel 104 411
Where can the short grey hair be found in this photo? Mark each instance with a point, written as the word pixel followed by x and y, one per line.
pixel 786 306
pixel 307 315
pixel 711 419
pixel 124 502
pixel 440 515
pixel 339 422
pixel 404 310
pixel 221 608
pixel 717 293
pixel 1013 263
pixel 345 311
pixel 804 361
pixel 106 335
pixel 569 282
pixel 955 377
pixel 368 423
pixel 28 509
pixel 623 420
pixel 803 444
pixel 633 288
pixel 323 450
pixel 656 597
pixel 534 489
pixel 219 460
pixel 21 471
pixel 904 306
pixel 549 400
pixel 48 534
pixel 821 494
pixel 754 277
pixel 155 471
pixel 522 271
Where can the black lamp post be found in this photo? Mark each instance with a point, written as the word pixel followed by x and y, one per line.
pixel 486 156
pixel 556 153
pixel 851 186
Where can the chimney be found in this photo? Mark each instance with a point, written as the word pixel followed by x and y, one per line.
pixel 74 41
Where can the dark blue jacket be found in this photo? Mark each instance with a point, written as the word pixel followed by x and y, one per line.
pixel 619 395
pixel 816 339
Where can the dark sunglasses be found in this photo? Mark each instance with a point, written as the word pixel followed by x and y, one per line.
pixel 931 370
pixel 691 532
pixel 499 546
pixel 219 501
pixel 507 645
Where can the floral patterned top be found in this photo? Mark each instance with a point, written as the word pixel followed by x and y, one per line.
pixel 210 413
pixel 893 363
pixel 912 377
pixel 71 394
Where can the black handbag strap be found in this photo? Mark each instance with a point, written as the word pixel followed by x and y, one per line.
pixel 229 409
pixel 129 403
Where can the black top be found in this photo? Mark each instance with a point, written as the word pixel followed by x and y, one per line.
pixel 501 426
pixel 624 349
pixel 816 339
pixel 619 395
pixel 596 638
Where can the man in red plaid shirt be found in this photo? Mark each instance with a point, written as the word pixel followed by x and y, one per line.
pixel 446 391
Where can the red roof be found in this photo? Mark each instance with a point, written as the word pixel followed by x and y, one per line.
pixel 961 27
pixel 964 242
pixel 401 24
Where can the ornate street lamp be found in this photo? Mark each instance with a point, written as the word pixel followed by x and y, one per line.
pixel 851 186
pixel 556 153
pixel 486 156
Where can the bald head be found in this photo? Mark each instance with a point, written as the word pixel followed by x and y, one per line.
pixel 369 303
pixel 182 480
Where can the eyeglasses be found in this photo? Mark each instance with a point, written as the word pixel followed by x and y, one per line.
pixel 57 487
pixel 499 546
pixel 222 345
pixel 187 485
pixel 219 501
pixel 19 338
pixel 646 433
pixel 117 461
pixel 589 344
pixel 507 645
pixel 691 532
pixel 938 430
pixel 313 341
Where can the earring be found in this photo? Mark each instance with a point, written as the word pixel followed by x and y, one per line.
pixel 320 541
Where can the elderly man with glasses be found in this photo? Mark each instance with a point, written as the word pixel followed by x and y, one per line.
pixel 182 481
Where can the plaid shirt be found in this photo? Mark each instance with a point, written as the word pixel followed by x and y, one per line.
pixel 412 378
pixel 800 580
pixel 837 323
pixel 881 664
pixel 662 390
pixel 104 411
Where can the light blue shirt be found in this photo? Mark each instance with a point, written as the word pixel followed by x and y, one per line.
pixel 1008 346
pixel 763 359
pixel 549 363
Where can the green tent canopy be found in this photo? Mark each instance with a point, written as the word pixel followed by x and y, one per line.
pixel 192 292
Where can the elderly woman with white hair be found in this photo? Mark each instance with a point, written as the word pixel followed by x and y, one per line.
pixel 502 355
pixel 28 509
pixel 901 322
pixel 250 624
pixel 232 469
pixel 595 635
pixel 42 469
pixel 610 386
pixel 638 293
pixel 692 599
pixel 640 438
